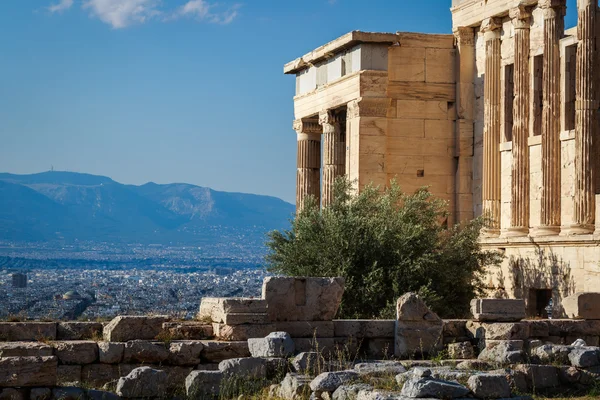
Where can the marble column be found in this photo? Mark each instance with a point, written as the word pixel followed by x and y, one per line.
pixel 519 221
pixel 491 127
pixel 554 12
pixel 308 175
pixel 463 196
pixel 586 108
pixel 334 153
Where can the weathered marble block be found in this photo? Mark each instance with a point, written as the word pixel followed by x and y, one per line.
pixel 17 331
pixel 302 299
pixel 125 327
pixel 216 351
pixel 502 310
pixel 28 371
pixel 582 306
pixel 242 332
pixel 25 349
pixel 76 351
pixel 418 329
pixel 216 309
pixel 190 330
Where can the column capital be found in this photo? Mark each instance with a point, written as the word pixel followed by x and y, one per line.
pixel 307 126
pixel 491 25
pixel 367 107
pixel 465 36
pixel 521 16
pixel 328 117
pixel 545 4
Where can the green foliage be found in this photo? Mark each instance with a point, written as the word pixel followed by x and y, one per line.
pixel 385 243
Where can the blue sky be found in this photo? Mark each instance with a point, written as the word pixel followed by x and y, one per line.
pixel 173 90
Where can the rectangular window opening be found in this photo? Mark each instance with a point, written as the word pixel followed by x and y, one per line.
pixel 538 94
pixel 509 100
pixel 538 301
pixel 569 77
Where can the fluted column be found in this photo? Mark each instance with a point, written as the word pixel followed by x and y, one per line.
pixel 491 127
pixel 465 95
pixel 586 107
pixel 519 221
pixel 308 175
pixel 554 12
pixel 334 153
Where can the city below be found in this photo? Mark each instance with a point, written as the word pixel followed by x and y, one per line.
pixel 98 281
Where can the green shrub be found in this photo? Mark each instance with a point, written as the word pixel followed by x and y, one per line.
pixel 385 243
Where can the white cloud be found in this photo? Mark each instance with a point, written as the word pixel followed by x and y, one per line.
pixel 122 13
pixel 202 10
pixel 61 6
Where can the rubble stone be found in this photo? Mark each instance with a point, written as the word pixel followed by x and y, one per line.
pixel 294 387
pixel 583 357
pixel 421 385
pixel 489 386
pixel 203 384
pixel 142 382
pixel 306 362
pixel 350 392
pixel 539 377
pixel 276 344
pixel 462 350
pixel 244 367
pixel 380 369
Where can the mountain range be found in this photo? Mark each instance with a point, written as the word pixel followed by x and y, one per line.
pixel 74 206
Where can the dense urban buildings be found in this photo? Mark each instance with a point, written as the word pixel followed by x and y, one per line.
pixel 499 119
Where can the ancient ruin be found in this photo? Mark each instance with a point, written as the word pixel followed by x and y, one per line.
pixel 294 344
pixel 498 119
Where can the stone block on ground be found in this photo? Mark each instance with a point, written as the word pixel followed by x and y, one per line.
pixel 216 351
pixel 330 381
pixel 364 328
pixel 276 344
pixel 24 331
pixel 78 330
pixel 215 309
pixel 76 351
pixel 583 305
pixel 584 357
pixel 185 353
pixel 489 386
pixel 538 377
pixel 418 329
pixel 189 330
pixel 249 367
pixel 25 349
pixel 306 329
pixel 68 374
pixel 380 368
pixel 141 351
pixel 294 387
pixel 552 353
pixel 242 332
pixel 307 362
pixel 503 352
pixel 111 352
pixel 203 384
pixel 142 382
pixel 498 331
pixel 461 351
pixel 302 299
pixel 501 310
pixel 350 392
pixel 125 328
pixel 28 371
pixel 422 385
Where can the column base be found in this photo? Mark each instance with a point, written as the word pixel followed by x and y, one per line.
pixel 516 231
pixel 577 229
pixel 490 233
pixel 545 231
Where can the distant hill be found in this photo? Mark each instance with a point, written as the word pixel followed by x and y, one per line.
pixel 72 206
